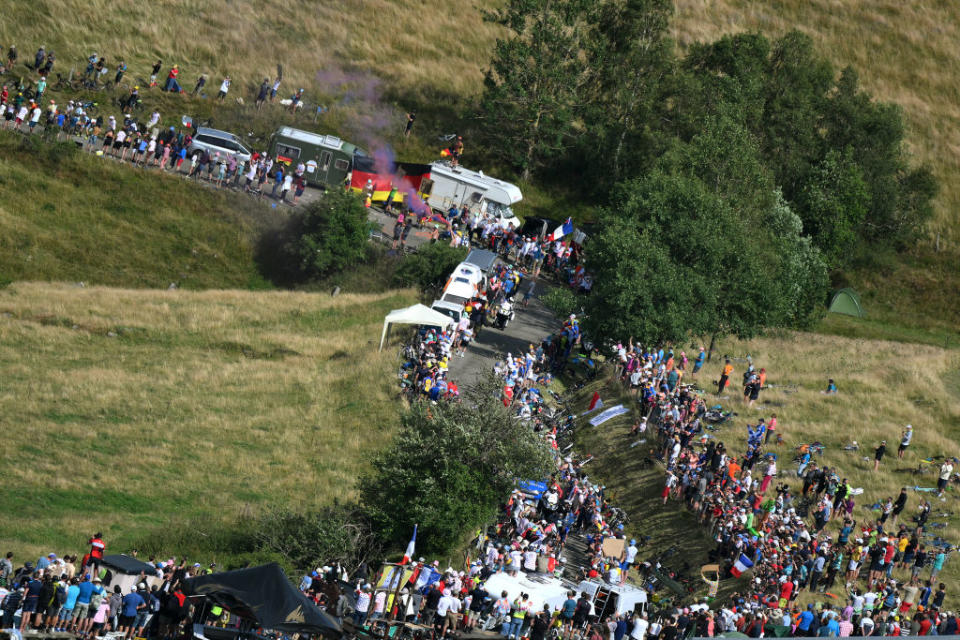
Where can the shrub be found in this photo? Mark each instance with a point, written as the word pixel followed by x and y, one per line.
pixel 327 236
pixel 429 267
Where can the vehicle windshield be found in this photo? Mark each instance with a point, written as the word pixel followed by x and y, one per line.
pixel 499 210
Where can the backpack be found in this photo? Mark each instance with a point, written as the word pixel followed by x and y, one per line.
pixel 61 595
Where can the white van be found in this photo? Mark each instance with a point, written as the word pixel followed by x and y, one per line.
pixel 450 309
pixel 455 187
pixel 465 273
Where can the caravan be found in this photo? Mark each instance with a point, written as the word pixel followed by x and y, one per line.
pixel 458 187
pixel 328 159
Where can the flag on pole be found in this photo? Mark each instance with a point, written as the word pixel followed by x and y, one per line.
pixel 564 229
pixel 408 554
pixel 742 564
pixel 595 401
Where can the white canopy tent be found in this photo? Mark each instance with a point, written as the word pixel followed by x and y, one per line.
pixel 417 314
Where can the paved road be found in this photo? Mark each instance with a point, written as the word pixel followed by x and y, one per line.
pixel 531 325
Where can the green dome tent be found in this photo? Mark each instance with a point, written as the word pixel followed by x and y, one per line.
pixel 846 301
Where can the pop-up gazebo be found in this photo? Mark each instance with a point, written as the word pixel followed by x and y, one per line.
pixel 418 314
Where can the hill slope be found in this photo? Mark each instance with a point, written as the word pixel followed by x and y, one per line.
pixel 70 216
pixel 431 57
pixel 883 386
pixel 130 409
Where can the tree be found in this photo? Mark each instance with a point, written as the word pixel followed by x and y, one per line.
pixel 328 235
pixel 873 135
pixel 702 245
pixel 429 267
pixel 639 291
pixel 803 271
pixel 833 204
pixel 532 89
pixel 630 54
pixel 448 468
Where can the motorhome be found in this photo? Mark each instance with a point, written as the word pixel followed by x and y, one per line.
pixel 328 159
pixel 454 186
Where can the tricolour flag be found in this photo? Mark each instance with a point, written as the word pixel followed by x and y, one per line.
pixel 408 554
pixel 562 230
pixel 742 564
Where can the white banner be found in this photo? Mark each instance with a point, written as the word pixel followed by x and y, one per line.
pixel 612 412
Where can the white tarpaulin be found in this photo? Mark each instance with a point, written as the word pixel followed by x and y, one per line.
pixel 417 314
pixel 612 412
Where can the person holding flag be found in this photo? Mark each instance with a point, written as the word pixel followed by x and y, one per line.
pixel 565 229
pixel 741 565
pixel 411 546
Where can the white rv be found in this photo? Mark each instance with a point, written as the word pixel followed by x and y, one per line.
pixel 455 186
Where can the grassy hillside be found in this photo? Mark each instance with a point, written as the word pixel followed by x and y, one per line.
pixel 70 216
pixel 129 409
pixel 905 52
pixel 426 57
pixel 883 386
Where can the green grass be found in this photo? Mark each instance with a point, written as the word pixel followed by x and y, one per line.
pixel 70 216
pixel 132 409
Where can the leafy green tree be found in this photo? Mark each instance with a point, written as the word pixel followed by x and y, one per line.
pixel 532 90
pixel 630 53
pixel 702 245
pixel 639 291
pixel 429 267
pixel 448 468
pixel 328 235
pixel 873 134
pixel 833 205
pixel 802 277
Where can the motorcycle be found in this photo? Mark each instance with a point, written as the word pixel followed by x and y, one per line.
pixel 505 314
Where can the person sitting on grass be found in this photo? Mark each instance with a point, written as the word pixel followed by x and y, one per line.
pixel 831 389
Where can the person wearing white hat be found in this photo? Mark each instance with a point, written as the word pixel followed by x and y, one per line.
pixel 905 439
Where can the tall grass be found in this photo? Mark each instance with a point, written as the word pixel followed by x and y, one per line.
pixel 70 216
pixel 125 409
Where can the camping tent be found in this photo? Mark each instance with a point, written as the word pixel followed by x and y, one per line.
pixel 417 314
pixel 846 301
pixel 264 594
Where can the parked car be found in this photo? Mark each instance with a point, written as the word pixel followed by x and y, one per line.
pixel 216 141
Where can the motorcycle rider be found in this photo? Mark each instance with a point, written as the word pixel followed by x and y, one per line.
pixel 504 313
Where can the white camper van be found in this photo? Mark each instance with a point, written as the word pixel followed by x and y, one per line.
pixel 455 186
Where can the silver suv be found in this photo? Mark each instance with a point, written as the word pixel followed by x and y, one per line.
pixel 216 141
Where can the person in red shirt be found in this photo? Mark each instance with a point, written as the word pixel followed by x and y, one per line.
pixel 786 590
pixel 172 80
pixel 97 547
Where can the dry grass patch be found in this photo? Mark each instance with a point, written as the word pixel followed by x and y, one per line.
pixel 128 409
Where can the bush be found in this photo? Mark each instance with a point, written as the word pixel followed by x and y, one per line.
pixel 429 268
pixel 329 235
pixel 338 533
pixel 562 301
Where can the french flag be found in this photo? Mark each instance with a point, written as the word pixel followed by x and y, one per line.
pixel 562 230
pixel 408 554
pixel 742 564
